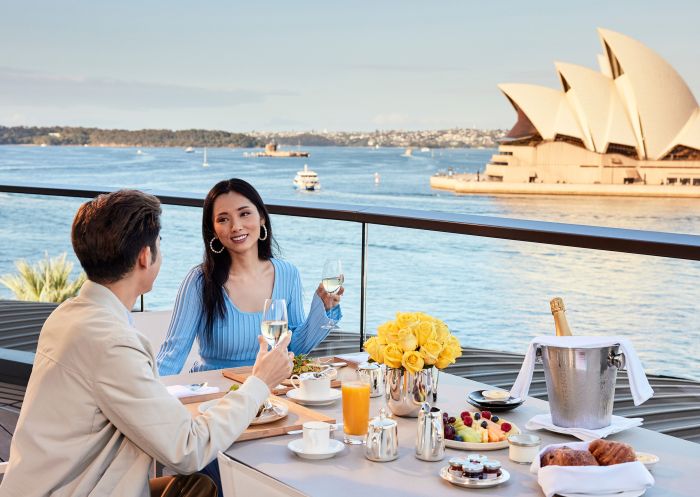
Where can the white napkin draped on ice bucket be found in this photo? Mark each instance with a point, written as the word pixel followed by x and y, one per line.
pixel 639 385
pixel 590 480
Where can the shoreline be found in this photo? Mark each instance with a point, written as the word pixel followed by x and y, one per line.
pixel 465 185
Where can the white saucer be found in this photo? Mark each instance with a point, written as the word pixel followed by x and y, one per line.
pixel 332 397
pixel 624 493
pixel 297 446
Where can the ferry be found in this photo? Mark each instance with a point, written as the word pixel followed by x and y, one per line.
pixel 306 180
pixel 271 151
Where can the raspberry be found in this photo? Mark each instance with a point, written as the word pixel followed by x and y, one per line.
pixel 486 414
pixel 468 421
pixel 506 427
pixel 465 414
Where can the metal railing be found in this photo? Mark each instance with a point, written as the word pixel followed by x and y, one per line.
pixel 653 243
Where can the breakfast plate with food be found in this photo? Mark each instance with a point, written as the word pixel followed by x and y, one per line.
pixel 479 430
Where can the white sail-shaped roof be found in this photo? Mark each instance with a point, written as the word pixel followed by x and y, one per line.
pixel 689 136
pixel 598 106
pixel 663 100
pixel 547 109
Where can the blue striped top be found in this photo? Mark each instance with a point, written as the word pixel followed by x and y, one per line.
pixel 234 341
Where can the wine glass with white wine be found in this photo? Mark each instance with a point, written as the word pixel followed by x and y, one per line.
pixel 332 279
pixel 273 327
pixel 274 320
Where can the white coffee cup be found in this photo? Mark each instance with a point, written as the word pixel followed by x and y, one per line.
pixel 316 436
pixel 312 386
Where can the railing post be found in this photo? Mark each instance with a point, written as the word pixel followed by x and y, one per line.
pixel 363 286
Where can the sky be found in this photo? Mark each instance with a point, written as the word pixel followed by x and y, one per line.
pixel 307 65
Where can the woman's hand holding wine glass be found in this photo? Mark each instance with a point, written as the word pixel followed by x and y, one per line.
pixel 331 288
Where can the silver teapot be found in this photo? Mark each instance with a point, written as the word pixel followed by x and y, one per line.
pixel 430 440
pixel 382 443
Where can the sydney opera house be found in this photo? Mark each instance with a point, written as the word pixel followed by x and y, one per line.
pixel 636 121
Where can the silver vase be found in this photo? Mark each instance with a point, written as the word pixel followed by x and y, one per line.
pixel 406 392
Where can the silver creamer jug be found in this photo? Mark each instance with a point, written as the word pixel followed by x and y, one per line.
pixel 382 443
pixel 430 440
pixel 372 373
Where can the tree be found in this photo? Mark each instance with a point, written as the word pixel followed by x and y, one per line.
pixel 46 281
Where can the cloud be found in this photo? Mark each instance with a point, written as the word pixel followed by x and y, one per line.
pixel 20 87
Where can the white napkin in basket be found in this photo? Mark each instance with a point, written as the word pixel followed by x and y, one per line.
pixel 617 424
pixel 181 391
pixel 590 480
pixel 639 385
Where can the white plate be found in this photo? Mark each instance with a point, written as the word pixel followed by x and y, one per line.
pixel 297 446
pixel 453 444
pixel 280 412
pixel 628 493
pixel 332 397
pixel 467 483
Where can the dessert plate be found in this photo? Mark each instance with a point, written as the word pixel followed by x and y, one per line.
pixel 297 446
pixel 477 446
pixel 468 483
pixel 477 399
pixel 332 397
pixel 281 410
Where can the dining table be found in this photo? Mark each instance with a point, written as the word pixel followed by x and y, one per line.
pixel 350 474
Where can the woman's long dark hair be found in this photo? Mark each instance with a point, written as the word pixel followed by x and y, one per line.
pixel 215 268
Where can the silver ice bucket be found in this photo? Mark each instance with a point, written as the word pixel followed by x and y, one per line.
pixel 581 384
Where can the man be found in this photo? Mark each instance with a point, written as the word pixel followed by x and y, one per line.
pixel 95 415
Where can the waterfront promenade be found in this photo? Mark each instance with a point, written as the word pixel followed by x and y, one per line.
pixel 467 184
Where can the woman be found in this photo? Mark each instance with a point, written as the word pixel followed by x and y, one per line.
pixel 220 301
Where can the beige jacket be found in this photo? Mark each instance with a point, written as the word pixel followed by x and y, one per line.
pixel 95 414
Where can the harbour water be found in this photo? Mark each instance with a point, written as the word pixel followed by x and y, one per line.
pixel 492 293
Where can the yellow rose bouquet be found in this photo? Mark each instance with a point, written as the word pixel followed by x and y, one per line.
pixel 414 341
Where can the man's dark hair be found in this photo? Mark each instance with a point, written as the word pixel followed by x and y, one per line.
pixel 110 230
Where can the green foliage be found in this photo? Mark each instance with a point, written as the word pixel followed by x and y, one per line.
pixel 46 281
pixel 63 135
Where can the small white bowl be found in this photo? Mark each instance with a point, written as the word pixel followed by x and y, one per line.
pixel 648 460
pixel 495 394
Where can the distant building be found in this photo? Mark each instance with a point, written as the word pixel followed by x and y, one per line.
pixel 635 121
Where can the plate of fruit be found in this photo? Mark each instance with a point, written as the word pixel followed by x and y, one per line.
pixel 479 430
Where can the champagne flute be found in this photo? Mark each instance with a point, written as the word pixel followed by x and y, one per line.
pixel 274 320
pixel 332 279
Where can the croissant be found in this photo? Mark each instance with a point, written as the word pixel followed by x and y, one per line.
pixel 564 456
pixel 608 453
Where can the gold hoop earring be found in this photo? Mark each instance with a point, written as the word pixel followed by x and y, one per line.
pixel 211 246
pixel 263 238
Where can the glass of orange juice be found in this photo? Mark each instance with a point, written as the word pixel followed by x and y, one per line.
pixel 355 411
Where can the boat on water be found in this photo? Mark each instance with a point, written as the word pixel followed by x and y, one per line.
pixel 408 152
pixel 271 151
pixel 189 150
pixel 204 160
pixel 307 180
pixel 425 149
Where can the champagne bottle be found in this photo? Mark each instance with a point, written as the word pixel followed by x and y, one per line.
pixel 558 311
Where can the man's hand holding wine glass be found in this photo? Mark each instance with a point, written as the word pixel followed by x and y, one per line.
pixel 274 365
